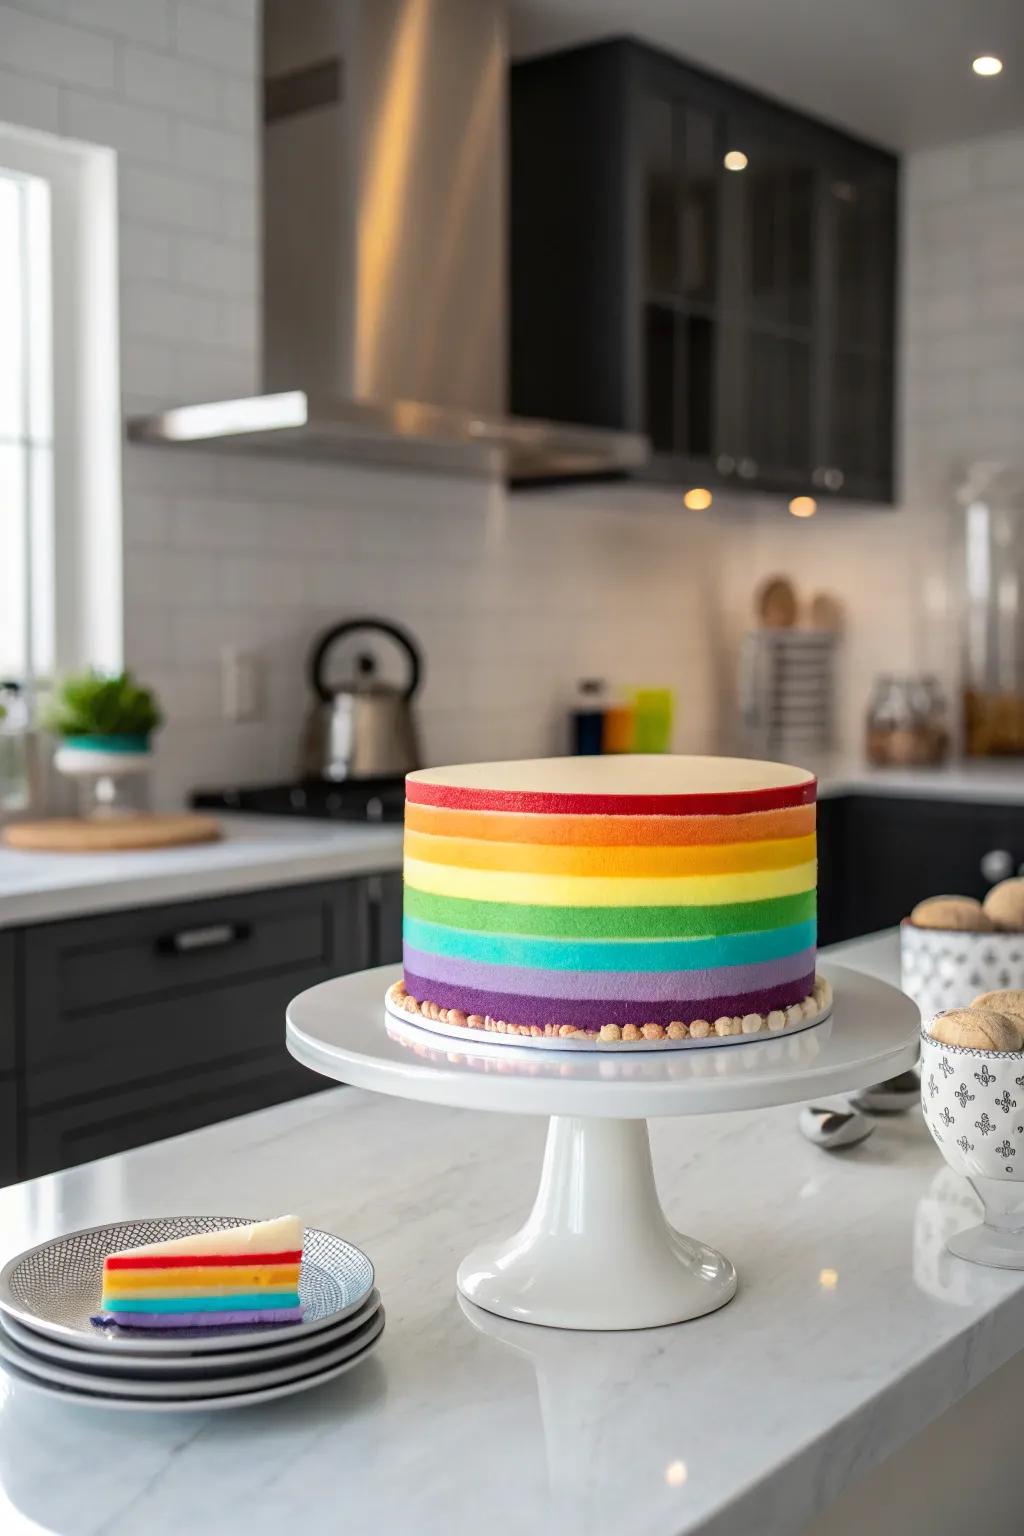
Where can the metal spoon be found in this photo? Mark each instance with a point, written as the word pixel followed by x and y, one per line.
pixel 832 1129
pixel 892 1097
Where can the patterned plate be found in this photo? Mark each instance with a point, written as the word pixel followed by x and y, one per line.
pixel 175 1390
pixel 115 1363
pixel 185 1405
pixel 55 1288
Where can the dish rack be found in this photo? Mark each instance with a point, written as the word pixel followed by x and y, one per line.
pixel 787 691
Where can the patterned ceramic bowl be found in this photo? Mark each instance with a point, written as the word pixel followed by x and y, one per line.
pixel 943 969
pixel 973 1105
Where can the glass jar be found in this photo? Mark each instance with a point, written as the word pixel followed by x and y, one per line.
pixel 906 722
pixel 992 496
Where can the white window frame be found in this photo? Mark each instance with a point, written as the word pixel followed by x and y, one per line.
pixel 87 524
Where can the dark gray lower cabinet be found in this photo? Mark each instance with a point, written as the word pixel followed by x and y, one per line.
pixel 880 854
pixel 82 1129
pixel 8 1002
pixel 138 1025
pixel 9 981
pixel 9 1158
pixel 388 891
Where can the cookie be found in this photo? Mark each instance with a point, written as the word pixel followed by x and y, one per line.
pixel 1004 905
pixel 978 1029
pixel 1009 1003
pixel 960 913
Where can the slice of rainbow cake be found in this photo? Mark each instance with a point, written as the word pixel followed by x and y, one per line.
pixel 238 1275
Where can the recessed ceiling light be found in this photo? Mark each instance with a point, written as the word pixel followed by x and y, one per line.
pixel 803 506
pixel 697 500
pixel 735 160
pixel 987 64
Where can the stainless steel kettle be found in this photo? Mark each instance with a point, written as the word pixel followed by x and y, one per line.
pixel 362 728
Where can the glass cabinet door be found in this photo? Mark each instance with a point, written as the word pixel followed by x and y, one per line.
pixel 767 305
pixel 853 434
pixel 679 275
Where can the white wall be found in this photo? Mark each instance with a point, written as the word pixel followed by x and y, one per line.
pixel 513 598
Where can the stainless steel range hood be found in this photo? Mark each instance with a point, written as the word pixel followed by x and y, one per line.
pixel 385 252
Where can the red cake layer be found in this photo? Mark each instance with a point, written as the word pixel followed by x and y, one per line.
pixel 726 803
pixel 204 1260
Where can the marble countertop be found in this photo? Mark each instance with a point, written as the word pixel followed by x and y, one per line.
pixel 255 851
pixel 992 781
pixel 852 1329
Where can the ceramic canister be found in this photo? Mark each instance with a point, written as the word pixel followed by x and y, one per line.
pixel 942 968
pixel 973 1105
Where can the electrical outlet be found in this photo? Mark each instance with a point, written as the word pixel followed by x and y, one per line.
pixel 241 684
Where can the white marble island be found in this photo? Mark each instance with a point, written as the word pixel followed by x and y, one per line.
pixel 852 1330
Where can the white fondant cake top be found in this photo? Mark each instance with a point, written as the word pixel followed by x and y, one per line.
pixel 283 1234
pixel 627 774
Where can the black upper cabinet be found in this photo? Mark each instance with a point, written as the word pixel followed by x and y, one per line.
pixel 743 318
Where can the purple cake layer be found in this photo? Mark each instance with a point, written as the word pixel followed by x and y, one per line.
pixel 590 1013
pixel 657 986
pixel 205 1320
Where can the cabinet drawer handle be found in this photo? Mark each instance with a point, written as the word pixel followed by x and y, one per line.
pixel 213 936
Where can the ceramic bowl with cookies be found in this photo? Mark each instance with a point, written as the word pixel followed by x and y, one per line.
pixel 972 1093
pixel 953 947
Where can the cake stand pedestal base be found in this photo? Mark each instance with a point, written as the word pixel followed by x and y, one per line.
pixel 597 1250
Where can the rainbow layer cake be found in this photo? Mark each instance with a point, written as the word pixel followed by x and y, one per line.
pixel 239 1275
pixel 611 898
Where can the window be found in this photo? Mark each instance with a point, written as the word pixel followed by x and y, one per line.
pixel 60 425
pixel 26 433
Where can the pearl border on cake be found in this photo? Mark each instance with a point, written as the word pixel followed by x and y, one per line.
pixel 775 1022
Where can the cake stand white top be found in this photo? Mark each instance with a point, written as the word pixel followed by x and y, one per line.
pixel 340 1029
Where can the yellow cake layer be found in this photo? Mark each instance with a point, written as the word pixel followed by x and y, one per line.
pixel 606 891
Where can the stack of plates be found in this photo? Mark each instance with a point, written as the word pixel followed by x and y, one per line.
pixel 49 1295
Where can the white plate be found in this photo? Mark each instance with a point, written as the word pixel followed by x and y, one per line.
pixel 175 1397
pixel 55 1288
pixel 112 1365
pixel 402 1026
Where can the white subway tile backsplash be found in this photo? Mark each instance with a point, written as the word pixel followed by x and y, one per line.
pixel 258 581
pixel 29 102
pixel 216 372
pixel 220 266
pixel 137 133
pixel 147 520
pixel 941 175
pixel 1000 160
pixel 202 522
pixel 155 196
pixel 36 45
pixel 145 20
pixel 171 579
pixel 182 87
pixel 217 37
pixel 240 105
pixel 143 251
pixel 217 153
pixel 170 314
pixel 240 214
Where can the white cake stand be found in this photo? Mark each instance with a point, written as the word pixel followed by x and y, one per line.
pixel 597 1250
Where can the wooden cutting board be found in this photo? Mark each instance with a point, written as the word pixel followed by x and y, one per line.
pixel 77 835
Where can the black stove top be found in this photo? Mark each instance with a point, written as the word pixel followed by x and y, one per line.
pixel 367 800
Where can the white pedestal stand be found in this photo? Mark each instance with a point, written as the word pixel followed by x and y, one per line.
pixel 597 1250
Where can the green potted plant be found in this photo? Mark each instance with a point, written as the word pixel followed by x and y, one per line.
pixel 105 724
